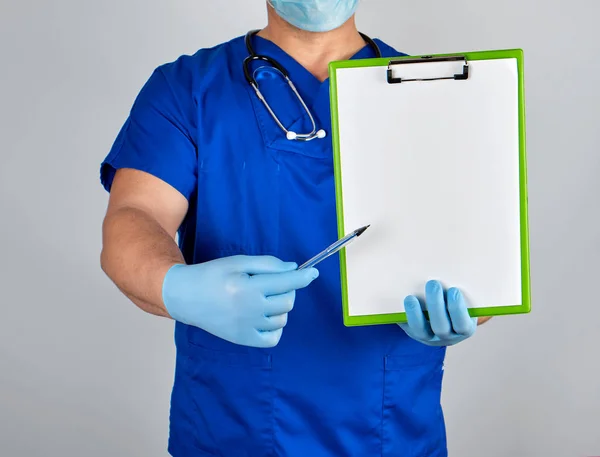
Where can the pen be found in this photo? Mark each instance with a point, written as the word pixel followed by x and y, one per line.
pixel 335 247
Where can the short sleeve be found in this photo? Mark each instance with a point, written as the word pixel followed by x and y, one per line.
pixel 158 137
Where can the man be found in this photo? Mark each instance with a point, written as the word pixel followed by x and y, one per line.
pixel 202 157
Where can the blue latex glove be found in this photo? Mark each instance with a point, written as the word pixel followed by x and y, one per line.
pixel 448 324
pixel 241 299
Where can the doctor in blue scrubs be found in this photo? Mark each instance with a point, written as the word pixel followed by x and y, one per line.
pixel 221 182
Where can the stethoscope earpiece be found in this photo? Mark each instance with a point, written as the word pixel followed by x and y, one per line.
pixel 252 81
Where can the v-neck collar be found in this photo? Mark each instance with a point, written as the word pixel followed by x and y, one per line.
pixel 265 46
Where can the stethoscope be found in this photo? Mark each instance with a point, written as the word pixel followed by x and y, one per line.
pixel 250 77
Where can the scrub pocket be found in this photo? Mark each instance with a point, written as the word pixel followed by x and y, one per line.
pixel 413 422
pixel 238 207
pixel 231 401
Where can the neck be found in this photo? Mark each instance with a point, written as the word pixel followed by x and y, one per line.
pixel 313 50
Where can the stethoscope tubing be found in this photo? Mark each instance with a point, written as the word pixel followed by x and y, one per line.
pixel 249 75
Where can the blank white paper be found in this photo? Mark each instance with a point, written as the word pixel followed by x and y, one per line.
pixel 434 168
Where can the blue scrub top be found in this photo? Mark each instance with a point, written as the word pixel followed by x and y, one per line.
pixel 326 390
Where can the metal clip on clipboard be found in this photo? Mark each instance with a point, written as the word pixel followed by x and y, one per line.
pixel 427 59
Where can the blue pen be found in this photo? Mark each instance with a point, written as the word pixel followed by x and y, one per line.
pixel 335 247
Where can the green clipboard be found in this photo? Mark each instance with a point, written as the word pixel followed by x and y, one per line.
pixel 347 124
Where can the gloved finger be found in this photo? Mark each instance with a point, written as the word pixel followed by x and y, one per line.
pixel 436 307
pixel 280 304
pixel 417 324
pixel 269 339
pixel 262 264
pixel 270 323
pixel 281 283
pixel 462 323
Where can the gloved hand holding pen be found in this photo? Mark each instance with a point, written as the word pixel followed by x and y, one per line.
pixel 241 299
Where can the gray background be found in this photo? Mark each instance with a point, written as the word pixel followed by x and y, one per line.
pixel 84 373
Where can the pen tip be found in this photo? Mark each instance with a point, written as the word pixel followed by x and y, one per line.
pixel 361 230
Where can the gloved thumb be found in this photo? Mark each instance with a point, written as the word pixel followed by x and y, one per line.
pixel 256 265
pixel 282 283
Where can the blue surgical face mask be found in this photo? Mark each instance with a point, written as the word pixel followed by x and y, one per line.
pixel 315 15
